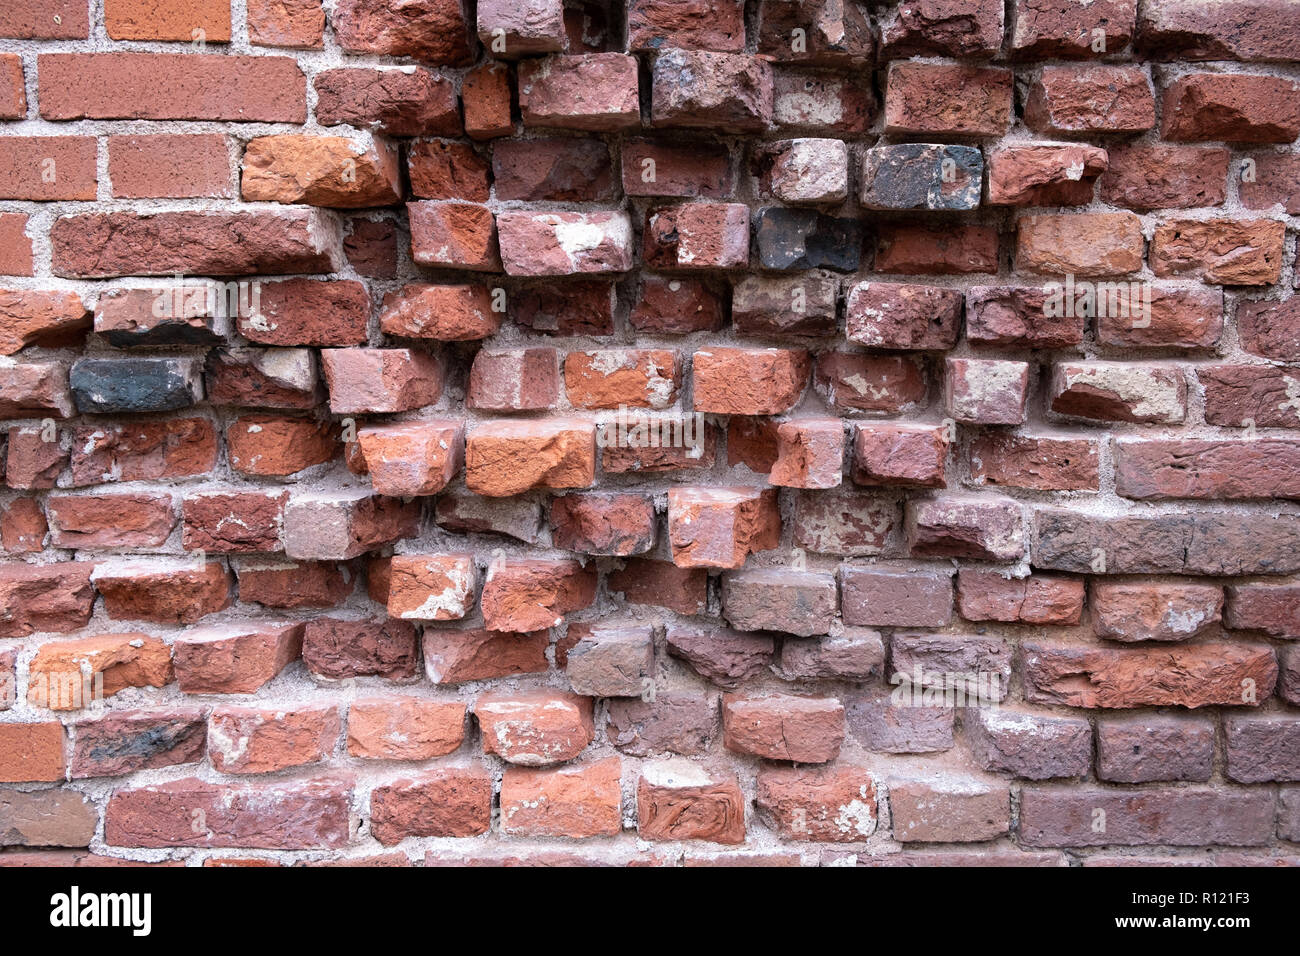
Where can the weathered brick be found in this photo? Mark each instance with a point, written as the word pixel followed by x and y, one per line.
pixel 1073 100
pixel 895 597
pixel 249 740
pixel 531 595
pixel 835 804
pixel 234 658
pixel 1028 744
pixel 727 658
pixel 1142 749
pixel 341 648
pixel 719 527
pixel 680 800
pixel 1233 107
pixel 458 656
pixel 948 810
pixel 535 728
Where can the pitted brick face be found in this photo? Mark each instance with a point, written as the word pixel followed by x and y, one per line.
pixel 797 432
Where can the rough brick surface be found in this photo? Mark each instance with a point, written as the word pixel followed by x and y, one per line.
pixel 631 432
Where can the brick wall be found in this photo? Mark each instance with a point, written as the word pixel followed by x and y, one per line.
pixel 333 340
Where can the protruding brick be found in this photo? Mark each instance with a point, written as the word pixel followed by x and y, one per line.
pixel 434 31
pixel 330 171
pixel 748 381
pixel 335 526
pixel 458 656
pixel 1165 177
pixel 857 655
pixel 719 527
pixel 801 304
pixel 535 728
pixel 564 243
pixel 578 801
pixel 1118 392
pixel 648 581
pixel 511 29
pixel 453 235
pixel 913 456
pixel 505 458
pixel 162 591
pixel 835 804
pixel 727 658
pixel 433 587
pixel 234 658
pixel 531 595
pixel 723 92
pixel 986 391
pixel 681 724
pixel 595 91
pixel 30 317
pixel 616 378
pixel 412 458
pixel 279 446
pixel 108 386
pixel 365 381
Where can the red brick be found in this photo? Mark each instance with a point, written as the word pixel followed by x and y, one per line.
pixel 846 522
pixel 680 800
pixel 15 245
pixel 916 250
pixel 279 446
pixel 895 597
pixel 780 727
pixel 986 391
pixel 249 740
pixel 942 29
pixel 1270 608
pixel 404 728
pixel 1190 30
pixel 697 235
pixel 371 248
pixel 169 166
pixel 44 597
pixel 33 461
pixel 103 245
pixel 590 92
pixel 434 31
pixel 47 167
pixel 32 752
pixel 1273 179
pixel 535 728
pixel 286 23
pixel 579 801
pixel 648 581
pixel 1165 177
pixel 263 378
pixel 13 92
pixel 23 526
pixel 71 675
pixel 1174 318
pixel 1090 99
pixel 1154 611
pixel 1194 675
pixel 949 810
pixel 366 380
pixel 531 595
pixel 512 29
pixel 46 20
pixel 820 103
pixel 505 458
pixel 171 86
pixel 1162 816
pixel 459 656
pixel 946 99
pixel 1037 463
pixel 234 658
pixel 1225 251
pixel 642 378
pixel 294 584
pixel 695 171
pixel 485 92
pixel 899 455
pixel 1037 599
pixel 896 315
pixel 290 815
pixel 610 524
pixel 983 528
pixel 110 521
pixel 338 648
pixel 450 313
pixel 415 458
pixel 1207 469
pixel 401 101
pixel 165 592
pixel 205 21
pixel 865 381
pixel 335 526
pixel 441 169
pixel 516 380
pixel 729 381
pixel 240 522
pixel 720 527
pixel 1118 392
pixel 144 451
pixel 564 243
pixel 1236 108
pixel 447 802
pixel 124 742
pixel 1242 394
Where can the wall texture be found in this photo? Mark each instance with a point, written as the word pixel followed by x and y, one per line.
pixel 331 344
